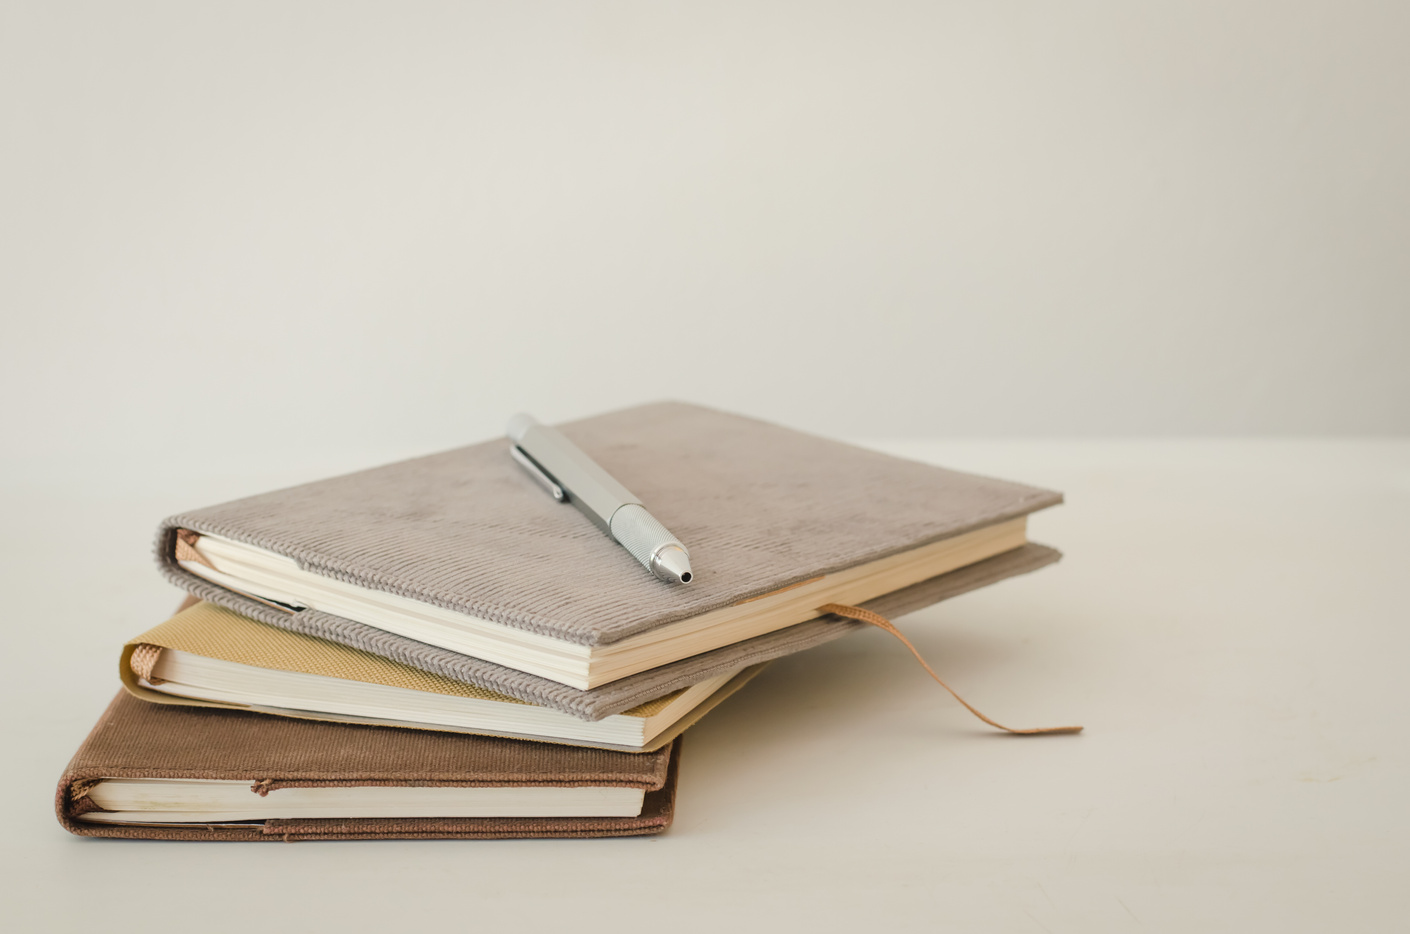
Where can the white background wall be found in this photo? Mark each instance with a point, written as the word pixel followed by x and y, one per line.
pixel 340 225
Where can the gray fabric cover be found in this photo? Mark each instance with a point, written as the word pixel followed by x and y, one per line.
pixel 760 507
pixel 636 689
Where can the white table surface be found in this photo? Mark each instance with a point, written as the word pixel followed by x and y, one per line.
pixel 1229 624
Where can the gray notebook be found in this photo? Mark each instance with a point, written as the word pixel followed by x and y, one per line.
pixel 777 521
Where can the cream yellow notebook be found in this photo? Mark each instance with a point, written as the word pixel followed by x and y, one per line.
pixel 209 656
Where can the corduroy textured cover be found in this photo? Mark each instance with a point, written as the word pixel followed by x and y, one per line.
pixel 138 740
pixel 636 689
pixel 760 507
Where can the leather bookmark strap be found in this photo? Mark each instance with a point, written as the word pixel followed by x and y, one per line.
pixel 144 662
pixel 881 622
pixel 185 548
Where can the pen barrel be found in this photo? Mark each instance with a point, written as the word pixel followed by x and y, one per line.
pixel 640 533
pixel 573 477
pixel 593 490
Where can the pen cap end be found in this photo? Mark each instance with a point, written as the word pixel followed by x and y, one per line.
pixel 518 426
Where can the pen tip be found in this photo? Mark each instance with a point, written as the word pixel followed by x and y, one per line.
pixel 672 564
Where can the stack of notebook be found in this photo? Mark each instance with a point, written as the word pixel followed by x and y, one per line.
pixel 435 648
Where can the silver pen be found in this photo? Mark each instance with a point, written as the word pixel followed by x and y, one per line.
pixel 570 476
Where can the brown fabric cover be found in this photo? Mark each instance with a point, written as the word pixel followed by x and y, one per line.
pixel 138 740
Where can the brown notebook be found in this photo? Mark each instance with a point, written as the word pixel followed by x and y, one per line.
pixel 251 763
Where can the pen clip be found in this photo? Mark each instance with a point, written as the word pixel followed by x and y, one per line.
pixel 539 474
